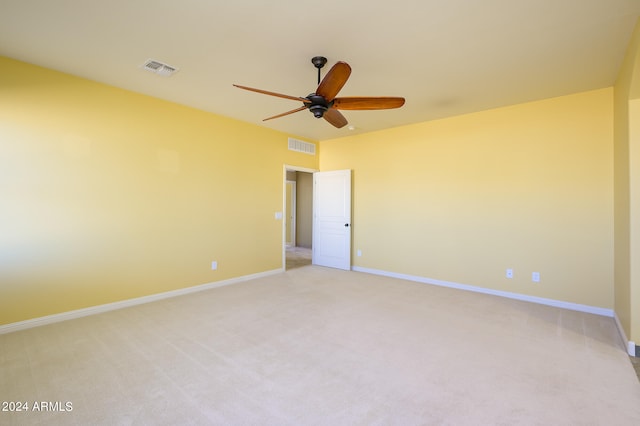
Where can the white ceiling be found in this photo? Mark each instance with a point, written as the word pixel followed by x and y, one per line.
pixel 445 57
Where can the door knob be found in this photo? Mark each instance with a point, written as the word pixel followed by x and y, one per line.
pixel 346 225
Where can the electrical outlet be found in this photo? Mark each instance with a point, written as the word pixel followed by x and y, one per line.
pixel 214 265
pixel 535 277
pixel 509 273
pixel 359 253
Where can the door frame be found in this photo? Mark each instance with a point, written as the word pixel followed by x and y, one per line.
pixel 291 168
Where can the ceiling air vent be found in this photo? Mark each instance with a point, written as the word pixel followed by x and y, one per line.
pixel 300 146
pixel 159 68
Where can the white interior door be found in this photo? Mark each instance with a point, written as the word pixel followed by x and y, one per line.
pixel 332 219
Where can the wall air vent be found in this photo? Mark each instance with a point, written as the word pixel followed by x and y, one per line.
pixel 159 68
pixel 300 146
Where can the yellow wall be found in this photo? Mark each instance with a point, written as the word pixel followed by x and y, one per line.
pixel 622 277
pixel 289 213
pixel 627 190
pixel 304 206
pixel 528 187
pixel 109 195
pixel 634 208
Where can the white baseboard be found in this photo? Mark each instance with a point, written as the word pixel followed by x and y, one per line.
pixel 517 296
pixel 93 310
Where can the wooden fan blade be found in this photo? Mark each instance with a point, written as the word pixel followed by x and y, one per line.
pixel 285 113
pixel 333 81
pixel 335 117
pixel 355 103
pixel 279 95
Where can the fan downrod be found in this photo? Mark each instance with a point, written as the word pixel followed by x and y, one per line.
pixel 319 62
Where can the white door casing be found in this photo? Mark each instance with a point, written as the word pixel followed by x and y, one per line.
pixel 332 219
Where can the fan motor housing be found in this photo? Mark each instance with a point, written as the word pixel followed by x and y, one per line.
pixel 318 105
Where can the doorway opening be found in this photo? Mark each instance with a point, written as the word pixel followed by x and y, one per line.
pixel 298 217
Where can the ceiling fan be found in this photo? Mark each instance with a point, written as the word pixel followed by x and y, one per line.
pixel 323 102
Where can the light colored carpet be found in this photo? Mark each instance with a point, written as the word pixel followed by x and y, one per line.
pixel 317 346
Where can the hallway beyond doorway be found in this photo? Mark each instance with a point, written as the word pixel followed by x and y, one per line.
pixel 297 257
